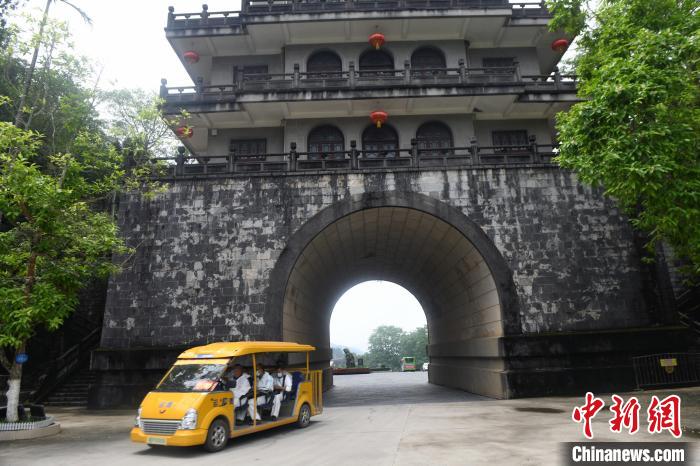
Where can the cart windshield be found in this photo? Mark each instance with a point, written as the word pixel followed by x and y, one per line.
pixel 192 378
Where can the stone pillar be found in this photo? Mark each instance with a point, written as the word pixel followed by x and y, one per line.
pixel 474 150
pixel 293 156
pixel 462 71
pixel 351 74
pixel 353 154
pixel 296 76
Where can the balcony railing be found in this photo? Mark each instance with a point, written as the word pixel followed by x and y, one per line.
pixel 321 6
pixel 360 160
pixel 353 79
pixel 236 19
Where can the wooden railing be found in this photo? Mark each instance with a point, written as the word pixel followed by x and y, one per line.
pixel 358 160
pixel 236 19
pixel 353 79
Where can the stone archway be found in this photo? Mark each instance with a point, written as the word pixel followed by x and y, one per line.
pixel 431 249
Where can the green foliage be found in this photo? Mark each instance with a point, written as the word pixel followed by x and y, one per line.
pixel 137 122
pixel 61 169
pixel 568 15
pixel 62 97
pixel 637 130
pixel 388 344
pixel 414 344
pixel 54 242
pixel 6 6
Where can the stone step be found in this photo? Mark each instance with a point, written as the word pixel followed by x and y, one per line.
pixel 69 393
pixel 65 403
pixel 76 400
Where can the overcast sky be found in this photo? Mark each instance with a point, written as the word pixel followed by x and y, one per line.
pixel 367 306
pixel 127 37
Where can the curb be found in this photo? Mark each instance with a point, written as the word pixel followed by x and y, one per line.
pixel 46 431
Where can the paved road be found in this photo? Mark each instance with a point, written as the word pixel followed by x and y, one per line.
pixel 391 388
pixel 376 419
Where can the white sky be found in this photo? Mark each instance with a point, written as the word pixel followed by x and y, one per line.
pixel 368 305
pixel 127 37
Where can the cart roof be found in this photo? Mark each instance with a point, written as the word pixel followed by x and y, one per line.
pixel 242 348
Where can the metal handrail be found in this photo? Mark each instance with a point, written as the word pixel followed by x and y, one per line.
pixel 63 366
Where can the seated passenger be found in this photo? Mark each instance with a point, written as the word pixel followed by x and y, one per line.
pixel 241 387
pixel 282 385
pixel 264 389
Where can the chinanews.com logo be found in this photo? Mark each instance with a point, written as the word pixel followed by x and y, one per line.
pixel 659 416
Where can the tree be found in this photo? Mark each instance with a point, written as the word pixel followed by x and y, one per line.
pixel 55 242
pixel 5 7
pixel 385 345
pixel 414 344
pixel 37 43
pixel 62 99
pixel 637 130
pixel 137 122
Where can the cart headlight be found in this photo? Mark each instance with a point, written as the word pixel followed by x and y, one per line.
pixel 137 421
pixel 189 420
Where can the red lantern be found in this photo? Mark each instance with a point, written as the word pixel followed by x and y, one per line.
pixel 560 45
pixel 191 57
pixel 376 40
pixel 184 132
pixel 378 117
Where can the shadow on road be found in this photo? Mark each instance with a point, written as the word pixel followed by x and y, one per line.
pixel 391 388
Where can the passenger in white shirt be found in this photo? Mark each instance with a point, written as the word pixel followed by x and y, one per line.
pixel 282 386
pixel 241 387
pixel 265 386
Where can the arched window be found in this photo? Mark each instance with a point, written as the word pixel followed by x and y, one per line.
pixel 380 142
pixel 376 63
pixel 326 142
pixel 426 61
pixel 324 63
pixel 434 138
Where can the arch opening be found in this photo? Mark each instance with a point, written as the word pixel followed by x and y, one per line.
pixel 380 142
pixel 326 141
pixel 376 63
pixel 432 259
pixel 324 63
pixel 384 309
pixel 434 138
pixel 428 61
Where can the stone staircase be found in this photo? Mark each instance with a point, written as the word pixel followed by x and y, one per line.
pixel 73 392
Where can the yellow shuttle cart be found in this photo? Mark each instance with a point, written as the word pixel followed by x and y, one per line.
pixel 193 403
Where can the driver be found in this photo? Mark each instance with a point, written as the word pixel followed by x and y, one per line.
pixel 265 387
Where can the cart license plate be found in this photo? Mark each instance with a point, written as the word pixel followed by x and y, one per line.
pixel 156 441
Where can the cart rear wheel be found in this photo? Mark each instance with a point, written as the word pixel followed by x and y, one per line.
pixel 304 416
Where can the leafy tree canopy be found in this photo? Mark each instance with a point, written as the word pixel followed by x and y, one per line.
pixel 388 344
pixel 637 130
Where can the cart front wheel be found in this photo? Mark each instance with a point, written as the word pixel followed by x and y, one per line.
pixel 217 436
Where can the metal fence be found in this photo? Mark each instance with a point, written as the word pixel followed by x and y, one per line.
pixel 666 369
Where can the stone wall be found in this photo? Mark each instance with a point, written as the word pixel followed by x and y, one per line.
pixel 205 250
